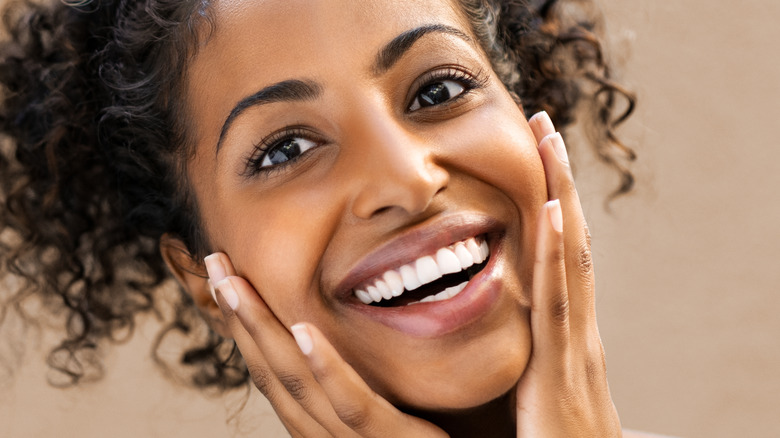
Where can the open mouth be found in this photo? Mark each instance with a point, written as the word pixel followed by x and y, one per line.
pixel 435 277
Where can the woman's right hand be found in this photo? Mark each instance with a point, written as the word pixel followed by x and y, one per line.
pixel 313 390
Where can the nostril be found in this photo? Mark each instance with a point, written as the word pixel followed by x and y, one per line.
pixel 381 210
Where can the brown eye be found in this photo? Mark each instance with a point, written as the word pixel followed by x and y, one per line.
pixel 436 94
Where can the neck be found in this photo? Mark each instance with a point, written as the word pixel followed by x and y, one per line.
pixel 494 419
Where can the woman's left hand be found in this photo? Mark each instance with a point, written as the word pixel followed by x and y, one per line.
pixel 564 391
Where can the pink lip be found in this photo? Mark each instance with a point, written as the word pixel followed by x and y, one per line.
pixel 417 242
pixel 433 318
pixel 437 318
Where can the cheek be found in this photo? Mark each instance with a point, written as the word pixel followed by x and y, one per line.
pixel 277 247
pixel 497 147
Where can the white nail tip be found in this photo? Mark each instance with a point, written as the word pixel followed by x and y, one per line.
pixel 213 292
pixel 427 269
pixel 448 262
pixel 409 277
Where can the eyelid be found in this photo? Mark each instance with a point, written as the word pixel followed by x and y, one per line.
pixel 253 162
pixel 470 80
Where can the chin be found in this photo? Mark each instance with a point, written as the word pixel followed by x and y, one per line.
pixel 478 374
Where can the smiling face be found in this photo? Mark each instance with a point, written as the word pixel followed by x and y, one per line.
pixel 339 143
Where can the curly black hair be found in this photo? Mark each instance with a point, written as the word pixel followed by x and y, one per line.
pixel 94 143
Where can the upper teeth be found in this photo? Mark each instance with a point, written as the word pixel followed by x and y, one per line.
pixel 427 269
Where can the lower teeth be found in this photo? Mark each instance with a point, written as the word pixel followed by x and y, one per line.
pixel 443 295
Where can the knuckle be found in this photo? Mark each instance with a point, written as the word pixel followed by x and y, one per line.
pixel 559 309
pixel 595 363
pixel 262 378
pixel 295 386
pixel 585 260
pixel 356 415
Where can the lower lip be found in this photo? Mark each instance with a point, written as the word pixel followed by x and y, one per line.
pixel 437 318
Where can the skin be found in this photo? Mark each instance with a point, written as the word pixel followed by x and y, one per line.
pixel 530 364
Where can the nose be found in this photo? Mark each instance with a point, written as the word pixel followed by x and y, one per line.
pixel 395 169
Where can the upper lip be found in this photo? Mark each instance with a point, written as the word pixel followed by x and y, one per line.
pixel 421 240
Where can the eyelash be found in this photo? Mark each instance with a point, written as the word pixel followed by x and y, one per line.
pixel 470 82
pixel 255 161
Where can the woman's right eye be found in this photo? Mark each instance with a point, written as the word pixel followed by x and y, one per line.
pixel 285 150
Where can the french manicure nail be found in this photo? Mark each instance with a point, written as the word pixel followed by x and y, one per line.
pixel 555 216
pixel 225 287
pixel 215 268
pixel 559 147
pixel 544 121
pixel 213 292
pixel 303 338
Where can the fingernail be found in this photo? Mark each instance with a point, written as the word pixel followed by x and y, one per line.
pixel 544 121
pixel 554 214
pixel 303 338
pixel 215 268
pixel 225 287
pixel 559 147
pixel 213 292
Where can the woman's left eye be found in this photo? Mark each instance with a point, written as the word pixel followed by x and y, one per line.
pixel 436 94
pixel 286 150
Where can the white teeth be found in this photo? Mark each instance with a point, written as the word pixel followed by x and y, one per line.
pixel 384 290
pixel 409 277
pixel 473 248
pixel 484 251
pixel 426 269
pixel 446 294
pixel 394 282
pixel 374 293
pixel 464 255
pixel 363 296
pixel 448 262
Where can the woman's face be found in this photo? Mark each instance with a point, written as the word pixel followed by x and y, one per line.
pixel 337 141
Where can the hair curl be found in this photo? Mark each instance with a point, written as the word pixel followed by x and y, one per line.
pixel 93 148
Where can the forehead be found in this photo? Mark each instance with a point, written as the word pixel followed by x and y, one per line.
pixel 260 42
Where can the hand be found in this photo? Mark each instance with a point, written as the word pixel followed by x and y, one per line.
pixel 564 391
pixel 314 393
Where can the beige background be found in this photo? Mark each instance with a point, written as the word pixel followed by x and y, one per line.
pixel 688 266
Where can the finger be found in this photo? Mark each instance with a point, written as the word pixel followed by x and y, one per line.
pixel 294 417
pixel 355 403
pixel 550 298
pixel 284 359
pixel 579 265
pixel 541 125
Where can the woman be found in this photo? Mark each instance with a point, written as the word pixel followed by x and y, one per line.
pixel 365 180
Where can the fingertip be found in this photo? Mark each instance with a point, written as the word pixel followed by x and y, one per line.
pixel 303 338
pixel 559 147
pixel 215 267
pixel 554 215
pixel 227 289
pixel 541 125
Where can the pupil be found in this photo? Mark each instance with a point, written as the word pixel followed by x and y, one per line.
pixel 287 151
pixel 434 94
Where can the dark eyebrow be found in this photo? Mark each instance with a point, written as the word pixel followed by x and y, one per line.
pixel 395 49
pixel 284 91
